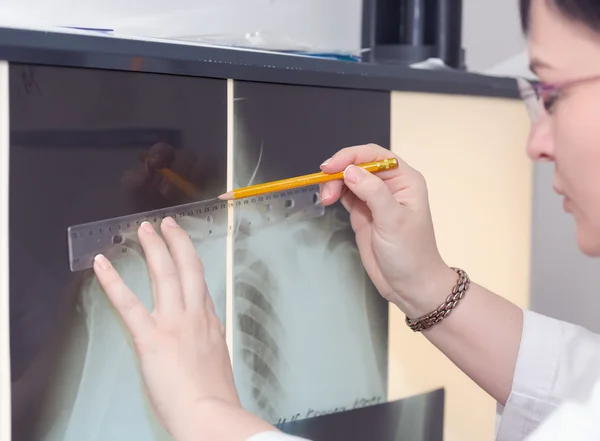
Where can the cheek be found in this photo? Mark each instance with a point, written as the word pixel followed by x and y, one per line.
pixel 576 134
pixel 577 159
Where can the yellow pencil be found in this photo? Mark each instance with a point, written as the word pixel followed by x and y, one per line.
pixel 302 181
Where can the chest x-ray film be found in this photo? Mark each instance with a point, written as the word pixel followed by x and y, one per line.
pixel 309 328
pixel 77 139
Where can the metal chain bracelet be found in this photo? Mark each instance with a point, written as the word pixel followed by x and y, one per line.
pixel 427 321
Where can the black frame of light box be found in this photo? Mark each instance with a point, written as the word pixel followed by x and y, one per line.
pixel 154 56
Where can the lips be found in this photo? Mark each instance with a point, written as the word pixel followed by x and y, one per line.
pixel 566 201
pixel 558 190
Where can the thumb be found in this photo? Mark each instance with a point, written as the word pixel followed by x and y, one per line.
pixel 371 190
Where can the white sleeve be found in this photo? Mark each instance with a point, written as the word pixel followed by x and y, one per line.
pixel 274 436
pixel 572 421
pixel 557 361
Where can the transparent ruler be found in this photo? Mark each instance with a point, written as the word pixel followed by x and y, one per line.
pixel 117 237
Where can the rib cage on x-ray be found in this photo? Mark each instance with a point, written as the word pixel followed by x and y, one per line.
pixel 257 325
pixel 307 330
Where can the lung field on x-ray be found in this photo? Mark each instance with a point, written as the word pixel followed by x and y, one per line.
pixel 310 330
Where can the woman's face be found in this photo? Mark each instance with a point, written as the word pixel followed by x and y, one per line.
pixel 568 134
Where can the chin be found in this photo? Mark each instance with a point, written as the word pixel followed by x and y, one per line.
pixel 588 241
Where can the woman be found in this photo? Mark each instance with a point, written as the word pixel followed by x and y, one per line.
pixel 529 363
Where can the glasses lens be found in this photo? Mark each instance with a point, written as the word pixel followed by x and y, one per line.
pixel 530 97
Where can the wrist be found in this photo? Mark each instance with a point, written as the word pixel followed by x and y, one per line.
pixel 429 294
pixel 219 420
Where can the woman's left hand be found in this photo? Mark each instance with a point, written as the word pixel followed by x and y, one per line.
pixel 181 344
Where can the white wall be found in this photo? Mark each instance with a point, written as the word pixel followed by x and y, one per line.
pixel 324 23
pixel 329 24
pixel 491 32
pixel 565 283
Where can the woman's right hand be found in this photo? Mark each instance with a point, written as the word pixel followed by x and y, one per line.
pixel 390 215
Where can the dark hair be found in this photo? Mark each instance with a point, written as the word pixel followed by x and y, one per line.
pixel 586 12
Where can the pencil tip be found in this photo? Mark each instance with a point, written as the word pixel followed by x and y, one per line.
pixel 226 196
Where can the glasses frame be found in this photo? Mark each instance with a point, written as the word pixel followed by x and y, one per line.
pixel 537 95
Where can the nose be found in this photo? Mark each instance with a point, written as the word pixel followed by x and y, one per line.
pixel 540 146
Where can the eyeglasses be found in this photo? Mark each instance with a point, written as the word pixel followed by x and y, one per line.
pixel 536 94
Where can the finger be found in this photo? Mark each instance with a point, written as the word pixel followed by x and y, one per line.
pixel 360 214
pixel 166 286
pixel 356 155
pixel 133 312
pixel 372 190
pixel 189 265
pixel 348 199
pixel 359 155
pixel 330 192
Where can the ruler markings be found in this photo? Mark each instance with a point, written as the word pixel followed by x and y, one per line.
pixel 116 237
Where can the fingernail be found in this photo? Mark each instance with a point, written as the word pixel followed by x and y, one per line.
pixel 326 162
pixel 325 194
pixel 102 262
pixel 170 222
pixel 147 227
pixel 353 174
